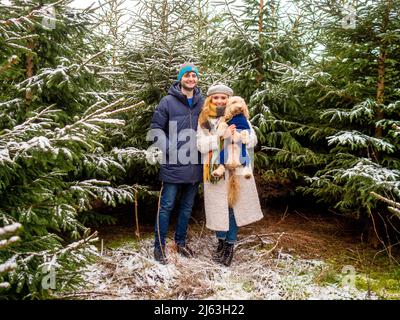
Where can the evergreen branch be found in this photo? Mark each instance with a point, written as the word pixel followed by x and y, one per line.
pixel 11 61
pixel 234 20
pixel 395 211
pixel 34 13
pixel 90 59
pixel 388 201
pixel 356 140
pixel 23 126
pixel 28 37
pixel 59 250
pixel 77 244
pixel 98 116
pixel 10 265
pixel 235 70
pixel 6 267
pixel 7 242
pixel 10 229
pixel 362 111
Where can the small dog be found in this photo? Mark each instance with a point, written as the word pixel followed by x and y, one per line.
pixel 236 113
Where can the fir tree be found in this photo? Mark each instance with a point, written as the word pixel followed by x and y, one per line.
pixel 56 158
pixel 329 119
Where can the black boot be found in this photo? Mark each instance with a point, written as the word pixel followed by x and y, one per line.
pixel 227 255
pixel 217 255
pixel 160 256
pixel 185 251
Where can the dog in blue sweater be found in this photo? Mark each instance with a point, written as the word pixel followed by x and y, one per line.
pixel 234 153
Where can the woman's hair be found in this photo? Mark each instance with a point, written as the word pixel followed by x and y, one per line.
pixel 203 117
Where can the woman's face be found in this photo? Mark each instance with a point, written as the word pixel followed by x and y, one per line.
pixel 219 99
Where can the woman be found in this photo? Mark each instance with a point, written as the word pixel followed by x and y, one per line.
pixel 219 216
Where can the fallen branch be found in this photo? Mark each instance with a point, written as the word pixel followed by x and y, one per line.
pixel 388 201
pixel 274 247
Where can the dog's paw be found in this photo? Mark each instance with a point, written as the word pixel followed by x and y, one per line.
pixel 236 137
pixel 219 171
pixel 221 131
pixel 247 173
pixel 245 136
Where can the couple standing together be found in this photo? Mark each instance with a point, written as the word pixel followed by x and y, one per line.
pixel 185 106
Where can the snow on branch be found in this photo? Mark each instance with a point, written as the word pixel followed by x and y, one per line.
pixel 10 61
pixel 10 265
pixel 357 140
pixel 10 229
pixel 100 189
pixel 42 11
pixel 392 107
pixel 394 206
pixel 361 111
pixel 373 171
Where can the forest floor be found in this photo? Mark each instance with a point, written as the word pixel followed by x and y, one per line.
pixel 290 254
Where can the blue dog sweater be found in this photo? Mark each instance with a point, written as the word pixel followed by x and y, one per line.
pixel 240 121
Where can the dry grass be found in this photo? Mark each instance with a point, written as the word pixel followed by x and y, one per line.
pixel 280 257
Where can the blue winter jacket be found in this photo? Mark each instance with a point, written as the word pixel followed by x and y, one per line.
pixel 178 121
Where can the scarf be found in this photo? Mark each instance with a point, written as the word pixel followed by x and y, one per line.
pixel 212 161
pixel 215 111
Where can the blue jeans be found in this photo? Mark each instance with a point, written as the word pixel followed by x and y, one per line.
pixel 229 236
pixel 168 195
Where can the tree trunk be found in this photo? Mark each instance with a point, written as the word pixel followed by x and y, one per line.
pixel 164 19
pixel 29 65
pixel 380 92
pixel 260 68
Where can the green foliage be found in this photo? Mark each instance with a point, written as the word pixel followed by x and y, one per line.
pixel 56 152
pixel 77 97
pixel 319 121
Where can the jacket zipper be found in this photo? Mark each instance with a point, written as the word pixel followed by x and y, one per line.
pixel 191 127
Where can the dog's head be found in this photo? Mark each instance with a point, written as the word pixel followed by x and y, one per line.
pixel 236 105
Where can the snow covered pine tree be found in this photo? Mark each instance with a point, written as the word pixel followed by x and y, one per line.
pixel 55 151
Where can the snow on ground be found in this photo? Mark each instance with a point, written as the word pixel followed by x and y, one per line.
pixel 259 271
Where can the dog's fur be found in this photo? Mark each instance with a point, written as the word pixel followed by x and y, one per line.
pixel 235 106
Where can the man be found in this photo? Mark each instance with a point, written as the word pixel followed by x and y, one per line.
pixel 174 124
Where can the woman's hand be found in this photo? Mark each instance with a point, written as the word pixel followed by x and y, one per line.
pixel 224 131
pixel 230 131
pixel 232 127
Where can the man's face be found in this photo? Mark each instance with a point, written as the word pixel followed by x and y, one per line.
pixel 189 80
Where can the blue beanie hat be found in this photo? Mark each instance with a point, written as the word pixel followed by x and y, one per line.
pixel 187 67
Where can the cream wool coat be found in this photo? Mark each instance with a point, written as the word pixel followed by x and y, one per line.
pixel 247 208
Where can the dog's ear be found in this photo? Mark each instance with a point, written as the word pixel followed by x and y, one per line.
pixel 246 110
pixel 228 114
pixel 228 110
